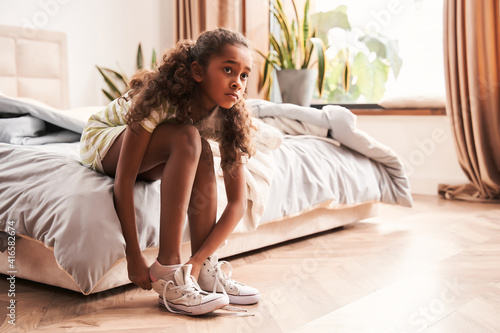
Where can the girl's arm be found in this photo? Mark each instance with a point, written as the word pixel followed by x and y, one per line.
pixel 134 145
pixel 236 205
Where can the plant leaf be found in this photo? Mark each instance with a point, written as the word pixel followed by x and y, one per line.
pixel 108 95
pixel 271 59
pixel 265 79
pixel 279 49
pixel 371 77
pixel 346 76
pixel 386 49
pixel 153 60
pixel 294 41
pixel 305 26
pixel 375 45
pixel 308 52
pixel 393 56
pixel 325 21
pixel 299 35
pixel 320 51
pixel 109 82
pixel 307 57
pixel 289 39
pixel 139 57
pixel 266 75
pixel 120 76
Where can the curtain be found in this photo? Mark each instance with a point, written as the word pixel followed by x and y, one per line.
pixel 472 69
pixel 196 16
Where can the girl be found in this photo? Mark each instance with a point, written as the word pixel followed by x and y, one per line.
pixel 159 131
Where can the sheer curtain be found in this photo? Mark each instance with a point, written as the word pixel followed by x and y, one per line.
pixel 472 70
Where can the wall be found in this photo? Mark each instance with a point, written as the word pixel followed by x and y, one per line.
pixel 424 143
pixel 104 33
pixel 107 33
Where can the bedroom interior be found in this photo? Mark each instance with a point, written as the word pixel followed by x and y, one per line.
pixel 342 261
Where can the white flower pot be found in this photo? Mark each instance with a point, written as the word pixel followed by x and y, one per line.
pixel 297 85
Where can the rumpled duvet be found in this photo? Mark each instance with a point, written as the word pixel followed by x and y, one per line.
pixel 337 125
pixel 50 197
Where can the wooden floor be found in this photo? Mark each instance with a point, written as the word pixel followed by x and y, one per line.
pixel 432 268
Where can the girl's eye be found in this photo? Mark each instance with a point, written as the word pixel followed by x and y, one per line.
pixel 227 70
pixel 244 76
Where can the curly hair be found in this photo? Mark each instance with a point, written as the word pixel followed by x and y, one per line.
pixel 172 83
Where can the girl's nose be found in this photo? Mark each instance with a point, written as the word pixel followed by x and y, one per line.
pixel 236 84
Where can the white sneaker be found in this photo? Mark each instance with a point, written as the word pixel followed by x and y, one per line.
pixel 184 295
pixel 213 279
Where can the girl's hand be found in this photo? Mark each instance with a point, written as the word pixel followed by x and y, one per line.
pixel 138 271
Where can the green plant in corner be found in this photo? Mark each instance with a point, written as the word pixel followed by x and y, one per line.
pixel 293 48
pixel 118 82
pixel 358 61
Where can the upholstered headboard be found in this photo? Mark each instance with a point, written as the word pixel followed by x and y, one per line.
pixel 33 63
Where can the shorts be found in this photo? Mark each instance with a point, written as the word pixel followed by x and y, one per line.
pixel 95 144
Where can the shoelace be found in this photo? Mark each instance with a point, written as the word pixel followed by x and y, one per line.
pixel 175 288
pixel 194 287
pixel 221 275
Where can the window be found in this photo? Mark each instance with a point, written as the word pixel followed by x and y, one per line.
pixel 389 52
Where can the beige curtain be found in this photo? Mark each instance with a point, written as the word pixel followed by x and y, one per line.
pixel 196 16
pixel 472 67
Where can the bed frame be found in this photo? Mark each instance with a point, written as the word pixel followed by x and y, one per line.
pixel 34 64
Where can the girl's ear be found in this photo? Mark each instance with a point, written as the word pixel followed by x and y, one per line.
pixel 197 71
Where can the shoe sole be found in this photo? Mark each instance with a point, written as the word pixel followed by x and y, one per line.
pixel 244 300
pixel 195 310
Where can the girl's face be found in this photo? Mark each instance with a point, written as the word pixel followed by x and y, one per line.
pixel 224 80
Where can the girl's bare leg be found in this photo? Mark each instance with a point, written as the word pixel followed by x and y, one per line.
pixel 202 211
pixel 172 156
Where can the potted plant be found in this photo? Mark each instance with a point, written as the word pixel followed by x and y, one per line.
pixel 358 62
pixel 291 55
pixel 118 82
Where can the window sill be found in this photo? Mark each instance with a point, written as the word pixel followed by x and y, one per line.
pixel 377 110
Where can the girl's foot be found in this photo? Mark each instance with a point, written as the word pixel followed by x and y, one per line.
pixel 183 295
pixel 213 279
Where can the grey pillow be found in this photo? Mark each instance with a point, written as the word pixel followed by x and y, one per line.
pixel 18 129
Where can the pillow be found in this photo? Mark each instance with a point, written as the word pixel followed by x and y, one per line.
pixel 15 130
pixel 73 120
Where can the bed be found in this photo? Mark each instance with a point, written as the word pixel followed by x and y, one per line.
pixel 313 171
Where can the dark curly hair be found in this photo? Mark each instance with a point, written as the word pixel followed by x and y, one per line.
pixel 173 83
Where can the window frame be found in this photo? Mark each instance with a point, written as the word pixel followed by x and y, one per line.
pixel 377 110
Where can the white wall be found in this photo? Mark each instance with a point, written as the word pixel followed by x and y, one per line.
pixel 424 143
pixel 107 32
pixel 99 32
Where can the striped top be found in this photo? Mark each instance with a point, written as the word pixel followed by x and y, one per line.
pixel 105 126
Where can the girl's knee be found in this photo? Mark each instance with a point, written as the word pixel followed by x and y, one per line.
pixel 187 140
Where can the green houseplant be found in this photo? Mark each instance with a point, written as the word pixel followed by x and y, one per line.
pixel 358 61
pixel 118 82
pixel 293 47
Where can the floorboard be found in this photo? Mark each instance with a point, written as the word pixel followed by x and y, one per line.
pixel 431 268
